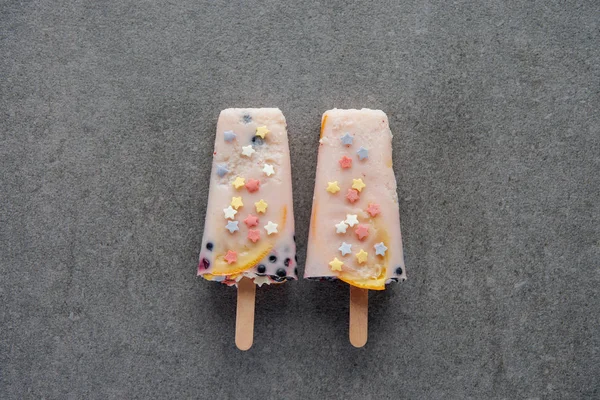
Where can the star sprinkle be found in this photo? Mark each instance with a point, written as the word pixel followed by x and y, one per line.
pixel 248 150
pixel 345 248
pixel 351 219
pixel 358 184
pixel 268 169
pixel 336 265
pixel 362 153
pixel 352 195
pixel 362 231
pixel 252 185
pixel 254 235
pixel 361 256
pixel 232 226
pixel 261 206
pixel 341 227
pixel 222 170
pixel 380 249
pixel 236 202
pixel 373 209
pixel 229 212
pixel 262 131
pixel 332 187
pixel 345 162
pixel 251 220
pixel 239 182
pixel 347 139
pixel 270 227
pixel 229 136
pixel 230 257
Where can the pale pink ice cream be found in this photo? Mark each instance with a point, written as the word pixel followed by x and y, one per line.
pixel 346 136
pixel 264 166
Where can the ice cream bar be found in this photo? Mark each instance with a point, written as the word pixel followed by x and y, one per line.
pixel 354 231
pixel 249 226
pixel 355 227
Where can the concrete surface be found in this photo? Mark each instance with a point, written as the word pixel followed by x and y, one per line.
pixel 108 112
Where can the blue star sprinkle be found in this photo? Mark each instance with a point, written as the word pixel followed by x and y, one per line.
pixel 347 139
pixel 222 170
pixel 345 248
pixel 229 136
pixel 362 153
pixel 380 249
pixel 232 226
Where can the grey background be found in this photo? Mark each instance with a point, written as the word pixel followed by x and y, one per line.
pixel 108 112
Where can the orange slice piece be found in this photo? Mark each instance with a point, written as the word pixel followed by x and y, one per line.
pixel 377 283
pixel 246 259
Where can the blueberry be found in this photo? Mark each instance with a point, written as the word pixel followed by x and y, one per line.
pixel 273 259
pixel 399 271
pixel 205 263
pixel 287 262
pixel 209 246
pixel 247 119
pixel 258 141
pixel 261 269
pixel 281 272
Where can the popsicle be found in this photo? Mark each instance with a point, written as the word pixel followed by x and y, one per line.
pixel 249 227
pixel 354 231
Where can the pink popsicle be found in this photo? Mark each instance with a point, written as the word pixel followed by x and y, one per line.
pixel 249 226
pixel 355 225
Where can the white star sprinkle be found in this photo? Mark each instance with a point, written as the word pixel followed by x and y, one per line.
pixel 268 170
pixel 229 212
pixel 351 219
pixel 248 150
pixel 341 227
pixel 270 227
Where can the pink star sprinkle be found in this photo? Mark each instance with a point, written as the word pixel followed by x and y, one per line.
pixel 373 209
pixel 231 257
pixel 252 185
pixel 345 162
pixel 362 231
pixel 254 235
pixel 352 195
pixel 251 220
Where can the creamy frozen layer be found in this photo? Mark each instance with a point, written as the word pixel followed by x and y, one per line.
pixel 249 226
pixel 355 225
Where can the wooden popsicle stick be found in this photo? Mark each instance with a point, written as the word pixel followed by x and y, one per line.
pixel 244 318
pixel 359 316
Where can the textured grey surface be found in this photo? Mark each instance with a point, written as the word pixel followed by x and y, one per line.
pixel 108 112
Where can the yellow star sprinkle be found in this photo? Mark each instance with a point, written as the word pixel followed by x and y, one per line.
pixel 336 265
pixel 239 182
pixel 358 184
pixel 236 202
pixel 332 187
pixel 261 206
pixel 262 131
pixel 361 256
